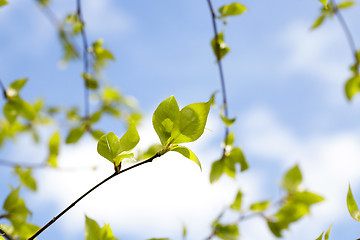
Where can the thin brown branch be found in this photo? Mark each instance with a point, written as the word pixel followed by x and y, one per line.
pixel 221 72
pixel 85 194
pixel 5 235
pixel 3 88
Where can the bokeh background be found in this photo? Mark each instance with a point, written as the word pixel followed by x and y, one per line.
pixel 285 87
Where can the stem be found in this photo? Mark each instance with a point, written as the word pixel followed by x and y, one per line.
pixel 3 88
pixel 347 32
pixel 5 235
pixel 85 194
pixel 85 58
pixel 221 72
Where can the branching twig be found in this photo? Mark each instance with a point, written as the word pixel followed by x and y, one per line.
pixel 221 72
pixel 92 189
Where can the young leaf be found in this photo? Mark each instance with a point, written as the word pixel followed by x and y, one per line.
pixel 232 9
pixel 26 178
pixel 352 87
pixel 320 237
pixel 3 2
pixel 190 122
pixel 236 205
pixel 346 4
pixel 227 232
pixel 97 134
pixel 219 47
pixel 75 134
pixel 90 81
pixel 318 22
pixel 26 110
pixel 129 140
pixel 187 153
pixel 109 146
pixel 259 206
pixel 10 111
pixel 53 149
pixel 121 157
pixel 292 179
pixel 324 2
pixel 228 121
pixel 15 87
pixel 217 169
pixel 327 234
pixel 237 156
pixel 164 118
pixel 352 206
pixel 92 229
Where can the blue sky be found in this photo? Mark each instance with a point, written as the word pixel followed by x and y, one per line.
pixel 285 86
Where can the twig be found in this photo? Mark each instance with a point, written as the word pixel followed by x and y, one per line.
pixel 92 189
pixel 5 235
pixel 221 72
pixel 85 58
pixel 3 88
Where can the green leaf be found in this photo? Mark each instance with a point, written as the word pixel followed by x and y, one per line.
pixel 327 234
pixel 259 206
pixel 190 122
pixel 318 22
pixel 92 229
pixel 352 206
pixel 164 118
pixel 320 237
pixel 292 179
pixel 275 228
pixel 12 200
pixel 236 205
pixel 237 156
pixel 187 153
pixel 151 151
pixel 25 176
pixel 121 157
pixel 26 230
pixel 26 110
pixel 90 81
pixel 228 121
pixel 95 117
pixel 232 9
pixel 352 87
pixel 217 169
pixel 53 149
pixel 306 197
pixel 324 2
pixel 292 212
pixel 230 139
pixel 10 111
pixel 227 232
pixel 15 87
pixel 129 140
pixel 75 23
pixel 97 134
pixel 219 47
pixel 109 146
pixel 346 4
pixel 3 2
pixel 75 134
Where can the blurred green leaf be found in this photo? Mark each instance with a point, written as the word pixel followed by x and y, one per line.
pixel 352 206
pixel 129 140
pixel 346 4
pixel 292 179
pixel 69 50
pixel 306 197
pixel 260 206
pixel 190 123
pixel 121 156
pixel 90 81
pixel 3 2
pixel 276 228
pixel 95 117
pixel 102 55
pixel 232 9
pixel 219 47
pixel 217 169
pixel 164 118
pixel 227 232
pixel 75 23
pixel 352 87
pixel 16 208
pixel 237 156
pixel 318 22
pixel 228 121
pixel 25 177
pixel 324 2
pixel 15 87
pixel 54 143
pixel 10 111
pixel 151 151
pixel 97 134
pixel 327 234
pixel 187 153
pixel 94 232
pixel 109 146
pixel 320 237
pixel 75 134
pixel 230 139
pixel 26 110
pixel 236 205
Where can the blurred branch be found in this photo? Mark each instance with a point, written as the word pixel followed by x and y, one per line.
pixel 5 235
pixel 3 88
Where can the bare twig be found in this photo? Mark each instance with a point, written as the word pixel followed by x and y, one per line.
pixel 92 189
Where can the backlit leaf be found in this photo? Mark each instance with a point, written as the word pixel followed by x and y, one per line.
pixel 187 153
pixel 352 87
pixel 236 205
pixel 228 121
pixel 3 2
pixel 130 139
pixel 352 206
pixel 15 87
pixel 219 47
pixel 90 81
pixel 320 237
pixel 324 2
pixel 292 179
pixel 190 123
pixel 327 234
pixel 259 206
pixel 346 4
pixel 318 22
pixel 92 229
pixel 232 9
pixel 217 169
pixel 109 146
pixel 25 176
pixel 164 118
pixel 75 134
pixel 227 232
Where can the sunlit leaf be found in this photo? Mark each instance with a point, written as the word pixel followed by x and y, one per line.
pixel 318 22
pixel 227 232
pixel 97 134
pixel 109 146
pixel 292 179
pixel 123 156
pixel 232 9
pixel 3 2
pixel 306 197
pixel 15 87
pixel 90 81
pixel 352 87
pixel 324 2
pixel 92 229
pixel 327 234
pixel 219 47
pixel 352 206
pixel 95 117
pixel 130 139
pixel 75 134
pixel 259 206
pixel 236 205
pixel 10 111
pixel 190 123
pixel 54 143
pixel 187 153
pixel 164 118
pixel 346 4
pixel 320 237
pixel 26 178
pixel 228 121
pixel 217 169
